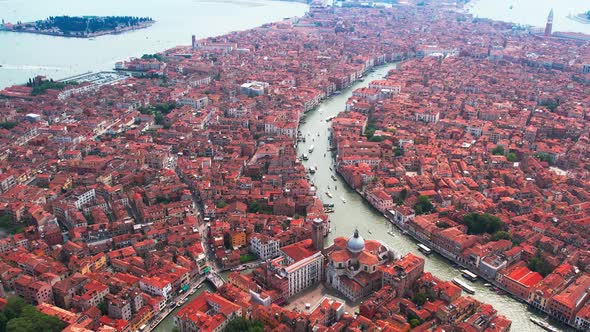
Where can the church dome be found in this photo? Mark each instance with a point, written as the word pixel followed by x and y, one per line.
pixel 355 243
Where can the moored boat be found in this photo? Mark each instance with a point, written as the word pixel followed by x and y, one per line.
pixel 463 286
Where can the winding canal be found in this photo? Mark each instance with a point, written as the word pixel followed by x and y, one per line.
pixel 355 212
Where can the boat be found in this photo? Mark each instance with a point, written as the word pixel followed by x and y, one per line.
pixel 390 233
pixel 333 178
pixel 343 200
pixel 469 275
pixel 543 324
pixel 200 285
pixel 487 285
pixel 305 157
pixel 311 149
pixel 463 286
pixel 424 249
pixel 193 291
pixel 311 170
pixel 369 231
pixel 337 92
pixel 172 304
pixel 316 167
pixel 328 205
pixel 329 194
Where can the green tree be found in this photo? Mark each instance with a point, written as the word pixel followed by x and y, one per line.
pixel 254 207
pixel 501 235
pixel 498 150
pixel 540 264
pixel 241 324
pixel 419 299
pixel 376 139
pixel 158 118
pixel 414 322
pixel 482 223
pixel 222 204
pixel 104 308
pixel 423 206
pixel 511 157
pixel 227 241
pixel 14 307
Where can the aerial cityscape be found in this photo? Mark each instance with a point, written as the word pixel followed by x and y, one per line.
pixel 366 166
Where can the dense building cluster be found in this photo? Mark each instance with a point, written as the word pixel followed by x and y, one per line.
pixel 124 194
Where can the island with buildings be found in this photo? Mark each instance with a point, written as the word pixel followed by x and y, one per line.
pixel 121 194
pixel 80 26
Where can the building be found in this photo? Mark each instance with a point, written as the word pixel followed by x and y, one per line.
pixel 33 291
pixel 565 305
pixel 156 286
pixel 520 281
pixel 549 25
pixel 582 322
pixel 264 246
pixel 403 273
pixel 353 266
pixel 207 312
pixel 298 267
pixel 317 234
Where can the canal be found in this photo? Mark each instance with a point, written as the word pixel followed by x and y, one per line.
pixel 352 211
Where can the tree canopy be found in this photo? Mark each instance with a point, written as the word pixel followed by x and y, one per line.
pixel 423 206
pixel 18 316
pixel 241 324
pixel 482 223
pixel 540 264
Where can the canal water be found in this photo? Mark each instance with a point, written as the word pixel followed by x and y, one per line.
pixel 356 213
pixel 167 325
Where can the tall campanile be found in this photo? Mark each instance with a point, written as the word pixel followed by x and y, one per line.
pixel 549 25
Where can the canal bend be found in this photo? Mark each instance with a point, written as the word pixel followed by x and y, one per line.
pixel 351 211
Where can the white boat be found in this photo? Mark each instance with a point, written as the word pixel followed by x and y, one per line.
pixel 310 149
pixel 305 157
pixel 469 275
pixel 487 285
pixel 343 200
pixel 463 285
pixel 200 286
pixel 390 233
pixel 424 249
pixel 543 324
pixel 328 194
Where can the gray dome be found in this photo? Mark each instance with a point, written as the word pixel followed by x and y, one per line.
pixel 355 243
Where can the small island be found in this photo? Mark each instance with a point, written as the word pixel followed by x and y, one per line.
pixel 80 26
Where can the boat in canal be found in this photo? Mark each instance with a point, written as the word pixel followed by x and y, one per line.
pixel 463 285
pixel 469 275
pixel 343 199
pixel 310 149
pixel 329 194
pixel 424 249
pixel 333 178
pixel 305 157
pixel 543 324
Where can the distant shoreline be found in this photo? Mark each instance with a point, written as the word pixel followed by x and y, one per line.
pixel 116 31
pixel 580 18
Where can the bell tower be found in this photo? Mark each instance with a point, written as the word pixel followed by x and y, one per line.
pixel 549 25
pixel 317 234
